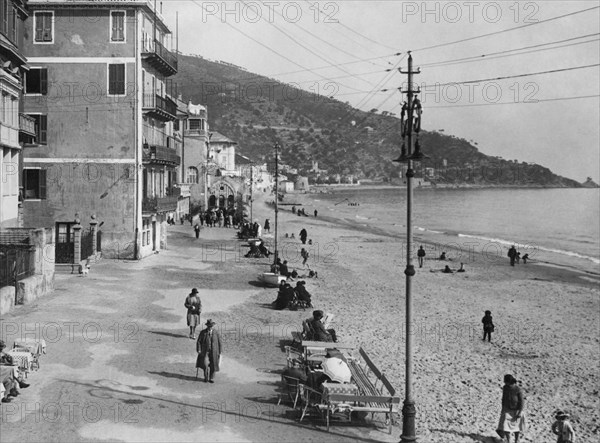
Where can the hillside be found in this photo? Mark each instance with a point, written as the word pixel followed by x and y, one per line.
pixel 257 111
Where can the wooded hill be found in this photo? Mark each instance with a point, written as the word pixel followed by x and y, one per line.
pixel 257 111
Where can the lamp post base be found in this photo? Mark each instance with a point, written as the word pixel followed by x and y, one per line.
pixel 409 413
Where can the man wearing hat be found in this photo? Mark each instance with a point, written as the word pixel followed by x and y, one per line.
pixel 208 347
pixel 194 308
pixel 320 333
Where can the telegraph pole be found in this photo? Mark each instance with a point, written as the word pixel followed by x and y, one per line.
pixel 409 411
pixel 276 254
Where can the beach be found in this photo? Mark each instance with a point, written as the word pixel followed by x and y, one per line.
pixel 546 327
pixel 118 340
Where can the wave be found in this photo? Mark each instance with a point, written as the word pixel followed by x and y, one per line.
pixel 534 247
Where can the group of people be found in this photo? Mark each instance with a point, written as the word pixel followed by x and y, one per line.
pixel 12 379
pixel 208 345
pixel 258 249
pixel 302 212
pixel 251 230
pixel 216 217
pixel 292 298
pixel 515 256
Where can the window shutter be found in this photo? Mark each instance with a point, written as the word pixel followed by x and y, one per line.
pixel 44 81
pixel 24 183
pixel 112 73
pixel 43 129
pixel 42 179
pixel 39 27
pixel 47 23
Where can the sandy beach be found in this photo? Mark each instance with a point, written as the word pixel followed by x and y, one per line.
pixel 546 331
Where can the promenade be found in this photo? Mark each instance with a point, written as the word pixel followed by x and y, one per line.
pixel 120 366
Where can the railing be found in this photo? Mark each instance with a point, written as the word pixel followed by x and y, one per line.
pixel 27 124
pixel 165 54
pixel 17 262
pixel 159 204
pixel 161 154
pixel 167 59
pixel 160 104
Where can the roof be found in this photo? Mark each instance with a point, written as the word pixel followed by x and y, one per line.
pixel 217 137
pixel 242 159
pixel 195 109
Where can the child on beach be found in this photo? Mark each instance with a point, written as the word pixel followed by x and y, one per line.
pixel 488 325
pixel 563 429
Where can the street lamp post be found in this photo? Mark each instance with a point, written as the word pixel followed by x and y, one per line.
pixel 276 254
pixel 412 123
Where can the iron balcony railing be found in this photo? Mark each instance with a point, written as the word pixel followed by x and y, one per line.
pixel 155 53
pixel 160 155
pixel 159 204
pixel 162 107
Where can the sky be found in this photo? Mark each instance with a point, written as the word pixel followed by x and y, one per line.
pixel 483 64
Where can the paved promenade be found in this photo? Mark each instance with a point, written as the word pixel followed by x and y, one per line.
pixel 120 365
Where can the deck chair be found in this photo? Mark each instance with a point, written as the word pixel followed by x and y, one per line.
pixel 294 358
pixel 311 400
pixel 291 388
pixel 33 347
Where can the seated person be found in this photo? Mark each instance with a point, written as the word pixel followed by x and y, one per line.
pixel 283 269
pixel 284 296
pixel 253 252
pixel 447 270
pixel 320 333
pixel 14 381
pixel 316 379
pixel 303 295
pixel 263 249
pixel 443 256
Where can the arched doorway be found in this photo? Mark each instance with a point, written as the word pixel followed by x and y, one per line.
pixel 221 201
pixel 212 201
pixel 230 201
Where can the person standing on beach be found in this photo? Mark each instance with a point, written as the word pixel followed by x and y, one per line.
pixel 316 212
pixel 512 420
pixel 304 255
pixel 488 325
pixel 303 235
pixel 209 351
pixel 421 256
pixel 267 226
pixel 197 230
pixel 563 429
pixel 194 308
pixel 512 254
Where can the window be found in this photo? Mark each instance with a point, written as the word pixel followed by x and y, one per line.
pixel 36 81
pixel 41 128
pixel 14 26
pixel 117 26
pixel 116 79
pixel 43 26
pixel 192 175
pixel 34 184
pixel 194 124
pixel 4 11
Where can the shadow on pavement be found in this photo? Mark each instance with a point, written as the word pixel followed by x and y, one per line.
pixel 174 375
pixel 170 334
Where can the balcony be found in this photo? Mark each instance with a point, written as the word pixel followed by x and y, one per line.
pixel 162 108
pixel 159 204
pixel 27 127
pixel 160 155
pixel 159 57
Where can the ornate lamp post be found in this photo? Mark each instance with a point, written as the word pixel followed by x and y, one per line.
pixel 276 254
pixel 412 111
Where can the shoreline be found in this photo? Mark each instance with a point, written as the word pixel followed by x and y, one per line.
pixel 542 316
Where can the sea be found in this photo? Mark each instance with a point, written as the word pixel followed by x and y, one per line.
pixel 559 227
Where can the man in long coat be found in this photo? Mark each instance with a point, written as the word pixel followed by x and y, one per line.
pixel 209 348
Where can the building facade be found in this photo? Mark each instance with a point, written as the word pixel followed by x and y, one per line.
pixel 97 88
pixel 15 128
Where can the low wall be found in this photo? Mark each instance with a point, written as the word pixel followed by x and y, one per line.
pixel 7 299
pixel 31 288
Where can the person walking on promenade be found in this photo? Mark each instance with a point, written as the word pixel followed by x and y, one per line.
pixel 197 230
pixel 512 254
pixel 267 226
pixel 303 235
pixel 209 351
pixel 512 420
pixel 563 429
pixel 201 217
pixel 421 256
pixel 316 212
pixel 488 325
pixel 194 308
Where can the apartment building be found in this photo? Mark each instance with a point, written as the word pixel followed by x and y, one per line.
pixel 98 90
pixel 14 126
